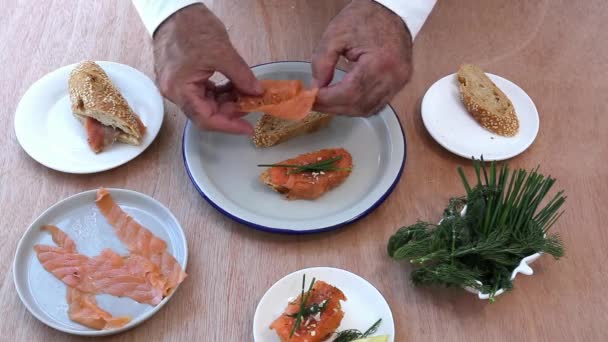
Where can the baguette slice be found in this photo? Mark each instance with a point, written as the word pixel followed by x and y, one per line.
pixel 94 96
pixel 309 185
pixel 270 130
pixel 490 107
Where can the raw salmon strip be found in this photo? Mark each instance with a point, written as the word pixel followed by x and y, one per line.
pixel 132 276
pixel 314 328
pixel 83 307
pixel 275 91
pixel 309 185
pixel 98 135
pixel 284 99
pixel 140 241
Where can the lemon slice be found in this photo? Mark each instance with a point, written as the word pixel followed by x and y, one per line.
pixel 383 338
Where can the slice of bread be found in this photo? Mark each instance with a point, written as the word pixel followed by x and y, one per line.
pixel 265 178
pixel 490 107
pixel 93 94
pixel 270 131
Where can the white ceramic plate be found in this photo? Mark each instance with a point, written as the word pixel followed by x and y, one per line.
pixel 365 304
pixel 223 167
pixel 449 123
pixel 48 131
pixel 44 295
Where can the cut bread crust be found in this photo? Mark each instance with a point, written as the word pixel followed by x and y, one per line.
pixel 270 131
pixel 490 107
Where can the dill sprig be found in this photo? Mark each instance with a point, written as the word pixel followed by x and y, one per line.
pixel 504 222
pixel 354 334
pixel 323 165
pixel 302 312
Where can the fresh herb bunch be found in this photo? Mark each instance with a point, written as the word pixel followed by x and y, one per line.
pixel 324 165
pixel 504 222
pixel 354 334
pixel 304 311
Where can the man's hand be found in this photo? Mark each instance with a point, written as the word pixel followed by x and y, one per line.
pixel 189 47
pixel 378 44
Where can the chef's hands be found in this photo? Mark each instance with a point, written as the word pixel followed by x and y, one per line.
pixel 377 44
pixel 188 48
pixel 192 44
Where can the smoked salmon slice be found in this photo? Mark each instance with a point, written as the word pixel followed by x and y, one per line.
pixel 82 306
pixel 83 309
pixel 140 241
pixel 317 327
pixel 98 135
pixel 284 99
pixel 131 276
pixel 309 185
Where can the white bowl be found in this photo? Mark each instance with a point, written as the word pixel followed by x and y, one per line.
pixel 523 268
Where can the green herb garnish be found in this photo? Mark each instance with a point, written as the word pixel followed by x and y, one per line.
pixel 312 310
pixel 302 312
pixel 504 222
pixel 354 334
pixel 324 165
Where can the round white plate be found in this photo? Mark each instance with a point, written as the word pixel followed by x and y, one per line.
pixel 48 131
pixel 44 295
pixel 223 167
pixel 364 305
pixel 449 123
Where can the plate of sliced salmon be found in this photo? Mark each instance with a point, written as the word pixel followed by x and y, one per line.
pixel 100 262
pixel 322 304
pixel 303 171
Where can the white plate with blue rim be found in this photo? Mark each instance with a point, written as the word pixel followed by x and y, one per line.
pixel 364 305
pixel 223 167
pixel 448 122
pixel 45 296
pixel 49 133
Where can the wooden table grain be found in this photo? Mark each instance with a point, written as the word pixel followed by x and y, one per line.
pixel 556 50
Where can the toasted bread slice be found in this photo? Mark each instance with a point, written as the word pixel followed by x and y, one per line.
pixel 486 102
pixel 92 94
pixel 266 179
pixel 270 131
pixel 309 185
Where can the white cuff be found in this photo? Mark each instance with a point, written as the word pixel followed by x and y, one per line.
pixel 154 12
pixel 413 12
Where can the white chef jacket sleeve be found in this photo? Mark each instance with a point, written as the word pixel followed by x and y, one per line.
pixel 413 12
pixel 154 12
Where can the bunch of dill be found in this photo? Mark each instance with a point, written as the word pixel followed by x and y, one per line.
pixel 503 223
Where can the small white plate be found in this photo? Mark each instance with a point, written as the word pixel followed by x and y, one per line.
pixel 364 305
pixel 48 131
pixel 449 123
pixel 44 295
pixel 223 167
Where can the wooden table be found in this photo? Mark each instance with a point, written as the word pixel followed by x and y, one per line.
pixel 555 50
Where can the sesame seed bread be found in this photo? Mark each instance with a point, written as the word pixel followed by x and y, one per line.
pixel 92 94
pixel 270 130
pixel 490 107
